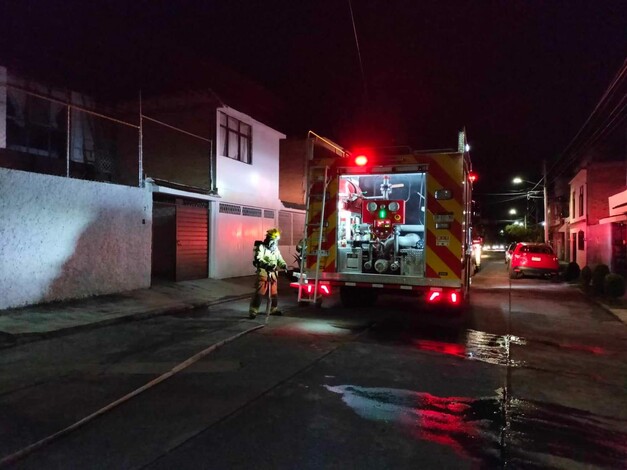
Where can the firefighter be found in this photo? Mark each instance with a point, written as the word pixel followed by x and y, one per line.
pixel 268 261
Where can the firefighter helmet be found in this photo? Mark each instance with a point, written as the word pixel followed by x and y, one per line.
pixel 273 234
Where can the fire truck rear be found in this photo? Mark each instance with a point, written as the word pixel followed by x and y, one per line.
pixel 392 224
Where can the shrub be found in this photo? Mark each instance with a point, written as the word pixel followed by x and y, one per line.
pixel 598 277
pixel 614 285
pixel 585 276
pixel 572 272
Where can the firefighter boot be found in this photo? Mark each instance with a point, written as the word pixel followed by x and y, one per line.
pixel 252 314
pixel 276 311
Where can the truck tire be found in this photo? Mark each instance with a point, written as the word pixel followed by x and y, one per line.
pixel 352 297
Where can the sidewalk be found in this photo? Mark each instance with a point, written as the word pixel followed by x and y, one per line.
pixel 618 307
pixel 45 320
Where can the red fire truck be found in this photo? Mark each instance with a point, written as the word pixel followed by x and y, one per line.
pixel 388 223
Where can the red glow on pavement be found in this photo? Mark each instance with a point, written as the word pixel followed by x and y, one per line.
pixel 452 349
pixel 586 348
pixel 443 421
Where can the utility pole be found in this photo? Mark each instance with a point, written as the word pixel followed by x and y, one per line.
pixel 546 206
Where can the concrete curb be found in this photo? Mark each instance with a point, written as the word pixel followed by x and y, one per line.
pixel 8 340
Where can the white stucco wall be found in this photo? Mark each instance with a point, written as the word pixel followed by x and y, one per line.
pixel 253 184
pixel 63 238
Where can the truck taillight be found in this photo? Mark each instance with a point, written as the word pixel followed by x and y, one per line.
pixel 452 297
pixel 434 296
pixel 323 289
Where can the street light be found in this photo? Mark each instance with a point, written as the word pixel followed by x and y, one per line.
pixel 532 194
pixel 513 212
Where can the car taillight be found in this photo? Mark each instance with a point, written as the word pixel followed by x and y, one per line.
pixel 325 289
pixel 454 298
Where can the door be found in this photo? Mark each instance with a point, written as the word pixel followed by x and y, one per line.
pixel 164 240
pixel 191 243
pixel 619 248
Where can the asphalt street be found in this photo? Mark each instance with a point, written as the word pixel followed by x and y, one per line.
pixel 533 377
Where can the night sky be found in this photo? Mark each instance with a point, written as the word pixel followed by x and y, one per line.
pixel 521 76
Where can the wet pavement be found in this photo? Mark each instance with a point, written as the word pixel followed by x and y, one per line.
pixel 534 377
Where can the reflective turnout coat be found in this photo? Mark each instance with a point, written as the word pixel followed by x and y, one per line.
pixel 268 259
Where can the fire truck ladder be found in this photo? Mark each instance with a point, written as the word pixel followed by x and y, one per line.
pixel 319 181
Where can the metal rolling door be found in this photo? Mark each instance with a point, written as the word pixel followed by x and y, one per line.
pixel 191 243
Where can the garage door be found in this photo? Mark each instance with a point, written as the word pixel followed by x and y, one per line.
pixel 191 243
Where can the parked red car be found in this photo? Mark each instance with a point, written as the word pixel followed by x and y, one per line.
pixel 535 259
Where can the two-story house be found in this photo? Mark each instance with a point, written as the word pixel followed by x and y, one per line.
pixel 97 200
pixel 598 166
pixel 590 240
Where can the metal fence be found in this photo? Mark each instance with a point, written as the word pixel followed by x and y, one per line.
pixel 60 133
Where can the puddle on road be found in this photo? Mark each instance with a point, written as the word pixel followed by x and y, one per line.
pixel 478 346
pixel 495 349
pixel 532 432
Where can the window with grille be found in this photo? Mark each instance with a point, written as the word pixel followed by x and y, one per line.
pixel 226 208
pixel 236 139
pixel 251 212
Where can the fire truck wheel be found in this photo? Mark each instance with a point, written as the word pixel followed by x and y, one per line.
pixel 357 297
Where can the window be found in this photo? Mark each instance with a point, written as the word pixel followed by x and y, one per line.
pixel 35 125
pixel 236 138
pixel 544 249
pixel 580 201
pixel 572 206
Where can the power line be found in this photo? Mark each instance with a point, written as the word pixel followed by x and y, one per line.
pixel 614 116
pixel 361 65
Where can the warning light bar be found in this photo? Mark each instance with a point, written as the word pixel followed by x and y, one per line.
pixel 361 160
